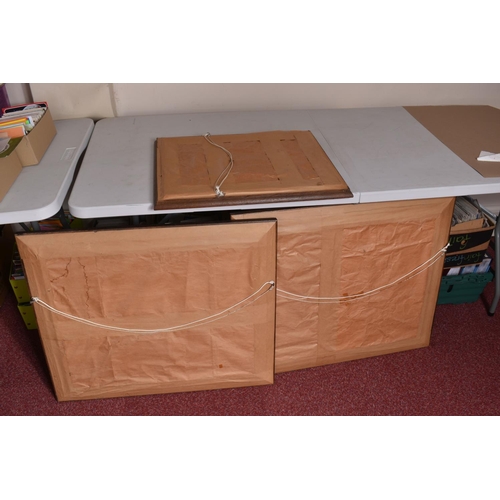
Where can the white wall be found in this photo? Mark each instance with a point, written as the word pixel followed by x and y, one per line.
pixel 99 100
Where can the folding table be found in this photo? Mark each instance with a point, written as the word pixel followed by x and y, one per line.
pixel 40 190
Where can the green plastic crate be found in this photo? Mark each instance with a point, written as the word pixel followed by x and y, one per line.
pixel 463 288
pixel 19 285
pixel 28 315
pixel 21 290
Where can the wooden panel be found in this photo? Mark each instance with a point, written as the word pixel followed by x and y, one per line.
pixel 152 279
pixel 268 167
pixel 341 251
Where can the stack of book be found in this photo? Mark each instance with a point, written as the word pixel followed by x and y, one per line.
pixel 466 209
pixel 470 235
pixel 467 264
pixel 16 122
pixel 482 267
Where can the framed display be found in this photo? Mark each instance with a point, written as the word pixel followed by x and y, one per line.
pixel 236 169
pixel 154 310
pixel 356 280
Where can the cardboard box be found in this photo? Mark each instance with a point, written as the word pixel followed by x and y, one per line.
pixel 10 168
pixel 33 146
pixel 29 151
pixel 463 259
pixel 467 226
pixel 464 238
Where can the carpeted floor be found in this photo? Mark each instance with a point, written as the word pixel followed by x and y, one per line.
pixel 458 374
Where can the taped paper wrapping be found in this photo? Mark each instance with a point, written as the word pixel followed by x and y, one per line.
pixel 340 251
pixel 153 278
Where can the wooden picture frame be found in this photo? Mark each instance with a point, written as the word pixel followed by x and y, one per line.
pixel 268 167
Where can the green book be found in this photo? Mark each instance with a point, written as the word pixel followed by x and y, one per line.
pixel 11 145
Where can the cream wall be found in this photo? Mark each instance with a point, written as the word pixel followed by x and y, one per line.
pixel 100 100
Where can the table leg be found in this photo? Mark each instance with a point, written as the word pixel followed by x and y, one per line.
pixel 62 218
pixel 497 269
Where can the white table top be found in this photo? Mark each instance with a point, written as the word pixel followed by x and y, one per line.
pixel 39 191
pixel 383 154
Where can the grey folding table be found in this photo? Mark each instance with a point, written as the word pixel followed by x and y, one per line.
pixel 40 190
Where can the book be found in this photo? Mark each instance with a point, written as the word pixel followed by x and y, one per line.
pixel 20 123
pixel 24 107
pixel 480 268
pixel 30 115
pixel 22 120
pixel 13 131
pixel 466 209
pixel 11 145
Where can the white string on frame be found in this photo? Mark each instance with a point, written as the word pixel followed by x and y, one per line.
pixel 254 297
pixel 199 322
pixel 225 173
pixel 331 300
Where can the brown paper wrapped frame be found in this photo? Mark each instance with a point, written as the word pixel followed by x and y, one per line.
pixel 152 278
pixel 349 249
